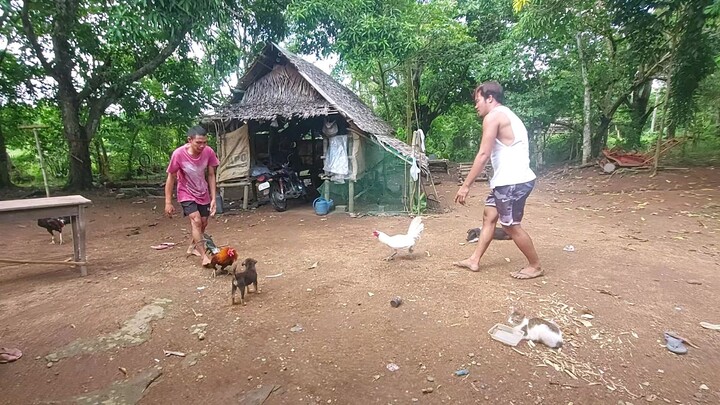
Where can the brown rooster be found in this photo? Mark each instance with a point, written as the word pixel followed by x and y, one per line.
pixel 224 258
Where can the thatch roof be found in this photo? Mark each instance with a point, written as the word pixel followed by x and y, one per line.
pixel 281 84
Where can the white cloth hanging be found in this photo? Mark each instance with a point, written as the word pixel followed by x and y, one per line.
pixel 419 137
pixel 414 170
pixel 336 163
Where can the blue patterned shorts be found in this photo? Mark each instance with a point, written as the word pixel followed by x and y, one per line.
pixel 510 201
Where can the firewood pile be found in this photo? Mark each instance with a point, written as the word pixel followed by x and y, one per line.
pixel 438 166
pixel 463 169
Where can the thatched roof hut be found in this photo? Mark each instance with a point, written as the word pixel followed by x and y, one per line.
pixel 282 87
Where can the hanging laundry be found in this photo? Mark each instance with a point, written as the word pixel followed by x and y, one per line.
pixel 336 162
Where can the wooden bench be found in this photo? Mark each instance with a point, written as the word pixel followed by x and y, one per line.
pixel 34 208
pixel 246 183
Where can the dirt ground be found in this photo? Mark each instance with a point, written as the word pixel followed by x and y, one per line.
pixel 646 260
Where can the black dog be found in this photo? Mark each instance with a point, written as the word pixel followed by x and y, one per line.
pixel 498 234
pixel 243 279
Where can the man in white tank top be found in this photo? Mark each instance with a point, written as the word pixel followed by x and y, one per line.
pixel 505 143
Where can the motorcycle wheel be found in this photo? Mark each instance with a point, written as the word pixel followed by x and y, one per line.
pixel 277 199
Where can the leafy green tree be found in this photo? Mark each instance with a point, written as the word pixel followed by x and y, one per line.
pixel 96 51
pixel 413 57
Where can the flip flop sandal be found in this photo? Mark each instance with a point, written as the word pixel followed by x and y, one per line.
pixel 9 355
pixel 674 344
pixel 164 245
pixel 711 326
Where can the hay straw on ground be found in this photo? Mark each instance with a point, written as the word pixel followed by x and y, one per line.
pixel 578 332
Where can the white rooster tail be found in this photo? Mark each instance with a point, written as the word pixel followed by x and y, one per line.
pixel 416 228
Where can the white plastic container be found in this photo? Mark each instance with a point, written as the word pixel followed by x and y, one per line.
pixel 506 334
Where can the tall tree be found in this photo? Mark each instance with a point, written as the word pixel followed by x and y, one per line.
pixel 413 57
pixel 95 50
pixel 584 27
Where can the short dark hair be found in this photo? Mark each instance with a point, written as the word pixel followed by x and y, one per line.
pixel 197 130
pixel 491 88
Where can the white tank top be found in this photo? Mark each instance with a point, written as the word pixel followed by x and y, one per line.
pixel 511 163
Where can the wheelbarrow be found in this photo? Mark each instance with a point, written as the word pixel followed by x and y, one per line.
pixel 615 158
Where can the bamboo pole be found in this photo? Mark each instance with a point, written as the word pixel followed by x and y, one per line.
pixel 661 133
pixel 42 162
pixel 40 156
pixel 16 261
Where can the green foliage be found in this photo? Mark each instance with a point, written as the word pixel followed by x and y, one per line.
pixel 561 148
pixel 21 142
pixel 409 60
pixel 680 31
pixel 455 135
pixel 136 54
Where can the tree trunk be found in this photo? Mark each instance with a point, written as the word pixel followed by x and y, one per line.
pixel 638 114
pixel 102 159
pixel 600 138
pixel 80 165
pixel 587 144
pixel 128 169
pixel 78 145
pixel 5 181
pixel 425 115
pixel 383 88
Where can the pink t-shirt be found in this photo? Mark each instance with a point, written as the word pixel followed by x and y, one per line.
pixel 191 180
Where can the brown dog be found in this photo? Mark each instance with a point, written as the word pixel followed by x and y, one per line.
pixel 243 279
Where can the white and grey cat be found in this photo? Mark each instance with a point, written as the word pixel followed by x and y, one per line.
pixel 536 329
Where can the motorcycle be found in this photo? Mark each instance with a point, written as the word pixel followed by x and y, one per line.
pixel 281 185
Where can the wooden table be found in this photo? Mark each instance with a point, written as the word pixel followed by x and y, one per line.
pixel 34 208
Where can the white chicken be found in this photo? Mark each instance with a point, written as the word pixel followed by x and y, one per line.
pixel 406 241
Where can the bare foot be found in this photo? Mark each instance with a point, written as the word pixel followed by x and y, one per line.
pixel 527 273
pixel 467 264
pixel 205 261
pixel 191 250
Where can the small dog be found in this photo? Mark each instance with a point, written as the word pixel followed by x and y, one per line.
pixel 498 234
pixel 243 279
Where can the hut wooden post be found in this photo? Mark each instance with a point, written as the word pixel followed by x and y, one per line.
pixel 246 195
pixel 327 178
pixel 351 196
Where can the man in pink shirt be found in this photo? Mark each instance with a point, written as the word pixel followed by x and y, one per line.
pixel 190 164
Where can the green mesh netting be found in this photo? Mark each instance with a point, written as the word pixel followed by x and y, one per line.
pixel 384 187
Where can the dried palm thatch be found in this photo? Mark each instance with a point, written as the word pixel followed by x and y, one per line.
pixel 282 92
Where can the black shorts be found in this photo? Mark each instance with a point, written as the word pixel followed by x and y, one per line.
pixel 191 206
pixel 510 201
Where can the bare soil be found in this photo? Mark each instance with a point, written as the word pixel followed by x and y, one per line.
pixel 646 260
